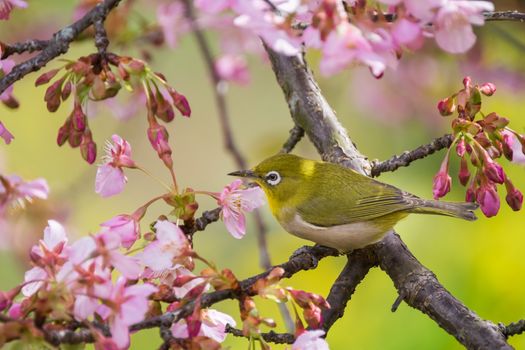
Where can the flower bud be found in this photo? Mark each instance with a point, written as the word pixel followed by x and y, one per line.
pixel 446 106
pixel 506 144
pixel 88 148
pixel 464 174
pixel 180 102
pixel 514 197
pixel 78 118
pixel 442 180
pixel 46 77
pixel 488 89
pixel 66 91
pixel 461 148
pixel 467 82
pixel 488 199
pixel 493 171
pixel 52 96
pixel 63 132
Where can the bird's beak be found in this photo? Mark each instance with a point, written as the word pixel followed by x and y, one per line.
pixel 243 173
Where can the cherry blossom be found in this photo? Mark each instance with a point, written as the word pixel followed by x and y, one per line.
pixel 170 244
pixel 110 179
pixel 311 340
pixel 235 201
pixel 129 305
pixel 233 68
pixel 125 226
pixel 49 253
pixel 453 24
pixel 213 325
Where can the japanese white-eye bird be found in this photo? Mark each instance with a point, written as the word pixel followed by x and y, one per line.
pixel 336 206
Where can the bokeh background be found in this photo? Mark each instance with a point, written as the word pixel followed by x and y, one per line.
pixel 481 263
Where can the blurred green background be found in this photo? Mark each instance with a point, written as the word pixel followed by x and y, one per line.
pixel 481 263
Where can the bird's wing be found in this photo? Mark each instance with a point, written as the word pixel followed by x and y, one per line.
pixel 351 197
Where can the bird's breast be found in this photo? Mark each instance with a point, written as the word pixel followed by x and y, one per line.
pixel 341 237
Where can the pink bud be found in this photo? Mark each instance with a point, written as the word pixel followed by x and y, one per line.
pixel 488 89
pixel 494 172
pixel 63 132
pixel 180 102
pixel 467 82
pixel 464 174
pixel 488 199
pixel 461 148
pixel 442 180
pixel 88 149
pixel 46 77
pixel 446 106
pixel 514 199
pixel 78 118
pixel 506 144
pixel 66 91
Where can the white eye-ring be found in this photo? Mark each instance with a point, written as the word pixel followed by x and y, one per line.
pixel 273 178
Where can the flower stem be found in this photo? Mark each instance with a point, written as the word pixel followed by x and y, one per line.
pixel 170 190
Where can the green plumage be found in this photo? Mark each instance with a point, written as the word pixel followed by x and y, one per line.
pixel 327 195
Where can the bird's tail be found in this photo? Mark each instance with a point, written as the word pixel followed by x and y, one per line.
pixel 455 209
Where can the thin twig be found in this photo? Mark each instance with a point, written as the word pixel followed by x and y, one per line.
pixel 504 16
pixel 25 46
pixel 515 328
pixel 296 134
pixel 408 157
pixel 58 45
pixel 272 337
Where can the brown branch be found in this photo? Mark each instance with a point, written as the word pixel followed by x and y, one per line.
pixel 272 337
pixel 296 134
pixel 26 46
pixel 359 263
pixel 514 328
pixel 504 16
pixel 408 157
pixel 57 45
pixel 417 284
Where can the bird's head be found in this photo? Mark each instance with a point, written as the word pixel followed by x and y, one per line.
pixel 280 176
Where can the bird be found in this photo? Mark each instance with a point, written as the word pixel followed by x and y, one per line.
pixel 338 207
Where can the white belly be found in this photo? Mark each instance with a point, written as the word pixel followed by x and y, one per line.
pixel 343 237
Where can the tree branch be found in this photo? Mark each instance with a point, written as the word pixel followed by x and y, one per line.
pixel 408 157
pixel 417 284
pixel 504 16
pixel 272 337
pixel 359 263
pixel 56 46
pixel 514 328
pixel 296 134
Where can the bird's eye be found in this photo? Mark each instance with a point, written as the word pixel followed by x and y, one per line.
pixel 273 178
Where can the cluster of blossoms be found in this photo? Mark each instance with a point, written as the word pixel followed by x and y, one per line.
pixel 373 33
pixel 73 282
pixel 480 141
pixel 90 78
